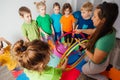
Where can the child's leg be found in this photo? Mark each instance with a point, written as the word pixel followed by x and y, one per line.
pixel 65 38
pixel 44 37
pixel 55 39
pixel 58 35
pixel 70 37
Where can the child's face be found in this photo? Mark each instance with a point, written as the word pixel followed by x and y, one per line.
pixel 85 14
pixel 42 10
pixel 67 11
pixel 56 10
pixel 27 17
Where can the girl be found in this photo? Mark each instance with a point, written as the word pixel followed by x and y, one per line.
pixel 67 21
pixel 34 57
pixel 44 21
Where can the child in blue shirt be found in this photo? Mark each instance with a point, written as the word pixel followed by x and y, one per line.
pixel 56 16
pixel 84 22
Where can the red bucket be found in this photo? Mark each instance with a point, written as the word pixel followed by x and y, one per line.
pixel 70 74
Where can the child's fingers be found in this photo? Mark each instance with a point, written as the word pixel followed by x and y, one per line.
pixel 65 63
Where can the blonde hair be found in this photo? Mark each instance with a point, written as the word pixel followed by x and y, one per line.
pixel 32 54
pixel 88 6
pixel 23 10
pixel 41 3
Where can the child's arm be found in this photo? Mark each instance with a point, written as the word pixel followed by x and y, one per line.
pixel 7 42
pixel 53 32
pixel 73 26
pixel 62 67
pixel 26 39
pixel 39 33
pixel 87 31
pixel 61 30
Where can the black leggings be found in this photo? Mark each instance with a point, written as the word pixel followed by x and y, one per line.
pixel 69 37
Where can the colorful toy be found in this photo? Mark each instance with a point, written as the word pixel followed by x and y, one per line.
pixel 69 51
pixel 59 47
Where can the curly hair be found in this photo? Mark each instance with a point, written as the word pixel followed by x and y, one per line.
pixel 66 6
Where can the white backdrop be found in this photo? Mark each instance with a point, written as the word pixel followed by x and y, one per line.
pixel 10 22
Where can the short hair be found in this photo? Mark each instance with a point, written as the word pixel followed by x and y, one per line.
pixel 41 3
pixel 32 54
pixel 66 6
pixel 23 10
pixel 88 6
pixel 56 4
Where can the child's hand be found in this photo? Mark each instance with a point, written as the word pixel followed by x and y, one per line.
pixel 83 45
pixel 78 31
pixel 64 65
pixel 61 32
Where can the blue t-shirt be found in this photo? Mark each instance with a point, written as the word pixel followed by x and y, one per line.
pixel 56 22
pixel 82 23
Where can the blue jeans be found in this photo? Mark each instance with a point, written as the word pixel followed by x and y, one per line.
pixel 57 35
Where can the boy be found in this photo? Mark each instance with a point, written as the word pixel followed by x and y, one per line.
pixel 84 22
pixel 56 16
pixel 29 27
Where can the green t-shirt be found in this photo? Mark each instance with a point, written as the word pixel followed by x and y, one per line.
pixel 30 30
pixel 45 23
pixel 48 74
pixel 106 43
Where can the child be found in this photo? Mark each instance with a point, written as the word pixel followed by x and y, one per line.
pixel 56 16
pixel 34 58
pixel 84 22
pixel 5 57
pixel 67 21
pixel 29 27
pixel 44 21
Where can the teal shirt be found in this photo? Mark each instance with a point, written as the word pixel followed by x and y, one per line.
pixel 49 74
pixel 45 23
pixel 56 22
pixel 106 43
pixel 30 30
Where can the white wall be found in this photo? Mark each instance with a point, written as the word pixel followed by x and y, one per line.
pixel 10 22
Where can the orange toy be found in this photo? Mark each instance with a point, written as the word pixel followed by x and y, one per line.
pixel 113 74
